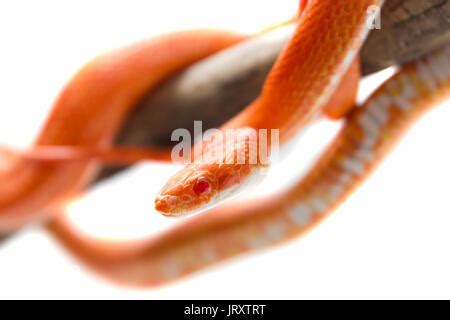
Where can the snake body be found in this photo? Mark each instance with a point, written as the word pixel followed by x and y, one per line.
pixel 301 84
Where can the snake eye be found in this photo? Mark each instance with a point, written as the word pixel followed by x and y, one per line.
pixel 202 187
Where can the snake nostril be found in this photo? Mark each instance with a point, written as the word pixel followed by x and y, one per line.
pixel 161 204
pixel 202 187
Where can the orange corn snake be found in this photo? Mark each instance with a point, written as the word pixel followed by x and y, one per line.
pixel 367 135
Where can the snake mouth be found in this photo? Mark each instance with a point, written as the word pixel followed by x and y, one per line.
pixel 166 205
pixel 161 206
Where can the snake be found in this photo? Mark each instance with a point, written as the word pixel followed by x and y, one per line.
pixel 368 133
pixel 301 84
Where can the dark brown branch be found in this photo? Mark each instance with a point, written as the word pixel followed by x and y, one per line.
pixel 4 237
pixel 410 28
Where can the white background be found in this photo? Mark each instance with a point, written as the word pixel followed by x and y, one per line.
pixel 390 240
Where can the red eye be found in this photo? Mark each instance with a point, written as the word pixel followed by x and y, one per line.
pixel 202 187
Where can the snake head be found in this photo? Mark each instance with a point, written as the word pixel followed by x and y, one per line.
pixel 200 185
pixel 188 190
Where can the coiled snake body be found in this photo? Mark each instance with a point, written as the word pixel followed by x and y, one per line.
pixel 302 83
